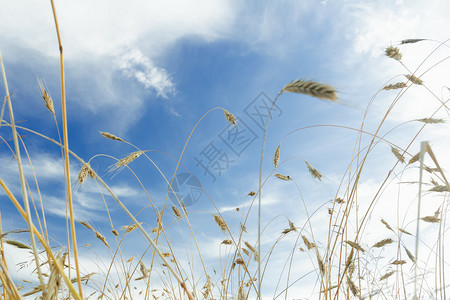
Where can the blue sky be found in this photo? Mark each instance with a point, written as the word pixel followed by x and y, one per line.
pixel 148 71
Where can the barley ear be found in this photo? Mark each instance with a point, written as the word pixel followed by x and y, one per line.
pixel 311 88
pixel 393 52
pixel 111 136
pixel 276 156
pixel 46 96
pixel 230 117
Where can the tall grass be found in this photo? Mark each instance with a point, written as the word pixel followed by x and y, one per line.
pixel 173 262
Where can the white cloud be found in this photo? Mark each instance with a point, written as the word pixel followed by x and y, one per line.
pixel 134 64
pixel 102 27
pixel 94 36
pixel 50 176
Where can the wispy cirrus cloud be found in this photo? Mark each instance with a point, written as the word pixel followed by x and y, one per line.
pixel 134 64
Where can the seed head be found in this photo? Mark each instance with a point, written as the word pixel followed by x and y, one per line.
pixel 311 88
pixel 414 79
pixel 395 86
pixel 393 52
pixel 282 177
pixel 46 96
pixel 230 117
pixel 111 136
pixel 314 172
pixel 276 156
pixel 220 222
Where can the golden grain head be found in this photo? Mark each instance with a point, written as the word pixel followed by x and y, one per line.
pixel 276 156
pixel 115 232
pixel 387 275
pixel 240 261
pixel 431 219
pixel 129 229
pixel 143 269
pixel 111 136
pixel 313 171
pixel 252 193
pixel 85 170
pixel 220 222
pixel 398 262
pixel 397 154
pixel 387 225
pixel 398 85
pixel 227 242
pixel 410 255
pixel 287 230
pixel 166 254
pixel 46 96
pixel 353 288
pixel 414 158
pixel 393 52
pixel 17 244
pixel 101 238
pixel 176 211
pixel 431 120
pixel 54 281
pixel 292 226
pixel 249 246
pixel 85 224
pixel 414 79
pixel 349 260
pixel 311 88
pixel 404 231
pixel 245 251
pixel 355 246
pixel 282 177
pixel 382 243
pixel 308 244
pixel 230 117
pixel 339 200
pixel 126 160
